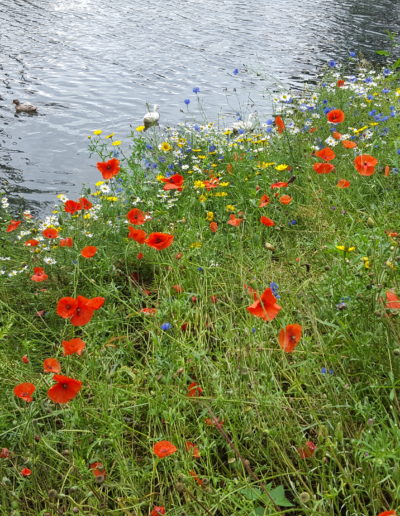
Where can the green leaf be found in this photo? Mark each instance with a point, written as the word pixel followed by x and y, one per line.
pixel 251 493
pixel 278 496
pixel 396 64
pixel 382 52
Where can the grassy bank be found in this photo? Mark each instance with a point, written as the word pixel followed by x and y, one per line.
pixel 234 299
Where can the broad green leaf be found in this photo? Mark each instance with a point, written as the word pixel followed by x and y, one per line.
pixel 382 52
pixel 278 496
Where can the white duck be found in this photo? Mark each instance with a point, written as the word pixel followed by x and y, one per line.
pixel 151 118
pixel 241 125
pixel 24 108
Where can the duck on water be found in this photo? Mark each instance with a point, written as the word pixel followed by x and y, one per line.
pixel 24 108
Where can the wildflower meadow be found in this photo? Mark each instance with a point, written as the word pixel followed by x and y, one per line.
pixel 213 329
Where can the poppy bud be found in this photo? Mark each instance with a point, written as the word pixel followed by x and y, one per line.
pixel 25 359
pixel 193 299
pixel 178 256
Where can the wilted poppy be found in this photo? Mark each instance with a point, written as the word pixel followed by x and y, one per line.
pixel 393 302
pixel 72 346
pixel 51 365
pixel 234 221
pixel 158 510
pixel 149 311
pixel 279 184
pixel 214 421
pixel 280 124
pixel 66 242
pixel 198 480
pixel 285 199
pixel 25 391
pixel 174 182
pixel 25 472
pixel 263 201
pixel 326 153
pixel 343 183
pixel 89 251
pixel 213 227
pixel 97 469
pixel 266 221
pixel 265 306
pixel 194 390
pixel 65 389
pixel 365 164
pixel 348 144
pixel 307 451
pixel 164 448
pixel 72 206
pixel 32 242
pixel 178 288
pixel 109 168
pixel 159 240
pixel 39 274
pixel 323 168
pixel 335 116
pixel 50 233
pixel 193 448
pixel 137 234
pixel 5 453
pixel 290 337
pixel 136 217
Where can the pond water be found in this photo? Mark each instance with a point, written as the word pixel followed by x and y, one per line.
pixel 94 64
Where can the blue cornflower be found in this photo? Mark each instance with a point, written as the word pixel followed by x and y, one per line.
pixel 269 121
pixel 352 54
pixel 372 112
pixel 324 84
pixel 235 71
pixel 148 146
pixel 274 287
pixel 212 148
pixel 171 166
pixel 398 151
pixel 368 80
pixel 115 154
pixel 387 72
pixel 253 330
pixel 200 269
pixel 196 127
pixel 187 101
pixel 385 90
pixel 324 370
pixel 166 326
pixel 268 130
pixel 326 110
pixel 332 63
pixel 196 90
pixel 370 97
pixel 293 222
pixel 325 102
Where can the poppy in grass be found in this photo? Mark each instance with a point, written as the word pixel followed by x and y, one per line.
pixel 149 311
pixel 25 391
pixel 265 306
pixel 137 234
pixel 178 288
pixel 50 233
pixel 25 359
pixel 280 124
pixel 195 476
pixel 336 135
pixel 39 274
pixel 89 251
pixel 13 225
pixel 190 447
pixel 72 346
pixel 79 310
pixel 343 183
pixel 136 217
pixel 159 240
pixel 285 199
pixel 335 116
pixel 387 171
pixel 290 337
pixel 393 302
pixel 32 242
pixel 66 242
pixel 51 365
pixel 158 510
pixel 323 168
pixel 64 390
pixel 85 203
pixel 348 144
pixel 234 221
pixel 388 513
pixel 25 472
pixel 174 182
pixel 263 201
pixel 66 307
pixel 164 448
pixel 307 451
pixel 194 390
pixel 72 207
pixel 365 164
pixel 97 469
pixel 280 184
pixel 266 221
pixel 5 453
pixel 326 153
pixel 213 227
pixel 109 168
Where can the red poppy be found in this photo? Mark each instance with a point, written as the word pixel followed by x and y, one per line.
pixel 212 183
pixel 393 302
pixel 158 510
pixel 72 207
pixel 174 182
pixel 280 184
pixel 365 164
pixel 72 346
pixel 89 251
pixel 85 203
pixel 323 168
pixel 178 288
pixel 136 217
pixel 159 240
pixel 66 242
pixel 340 83
pixel 387 171
pixel 51 365
pixel 280 124
pixel 234 221
pixel 50 233
pixel 196 477
pixel 137 234
pixel 80 310
pixel 343 183
pixel 336 135
pixel 32 243
pixel 326 153
pixel 25 391
pixel 307 451
pixel 193 448
pixel 265 306
pixel 213 227
pixel 266 221
pixel 25 472
pixel 64 390
pixel 285 199
pixel 5 453
pixel 263 201
pixel 140 256
pixel 39 274
pixel 290 337
pixel 13 225
pixel 98 469
pixel 348 144
pixel 194 390
pixel 25 359
pixel 388 513
pixel 335 116
pixel 66 307
pixel 150 311
pixel 164 448
pixel 214 299
pixel 109 168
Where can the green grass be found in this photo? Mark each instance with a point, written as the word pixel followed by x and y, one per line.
pixel 338 388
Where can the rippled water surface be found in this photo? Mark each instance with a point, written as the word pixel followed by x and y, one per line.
pixel 90 64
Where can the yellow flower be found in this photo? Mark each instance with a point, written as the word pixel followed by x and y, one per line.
pixel 55 211
pixel 190 171
pixel 160 177
pixel 356 131
pixel 266 165
pixel 86 216
pixel 230 207
pixel 345 249
pixel 111 198
pixel 367 263
pixel 140 128
pixel 213 152
pixel 201 157
pixel 117 142
pixel 99 183
pixel 226 183
pixel 374 123
pixel 96 193
pixel 196 150
pixel 210 216
pixel 196 245
pixel 227 132
pixel 391 265
pixel 214 165
pixel 109 136
pixel 97 132
pixel 202 198
pixel 199 184
pixel 281 167
pixel 165 146
pixel 220 194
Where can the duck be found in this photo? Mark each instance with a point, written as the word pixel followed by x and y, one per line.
pixel 151 118
pixel 245 126
pixel 24 108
